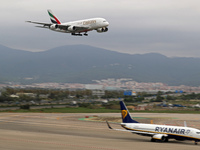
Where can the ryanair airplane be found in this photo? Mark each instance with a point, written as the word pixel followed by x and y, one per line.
pixel 156 132
pixel 74 27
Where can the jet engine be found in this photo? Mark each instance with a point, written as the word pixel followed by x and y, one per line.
pixel 54 26
pixel 71 28
pixel 161 137
pixel 100 30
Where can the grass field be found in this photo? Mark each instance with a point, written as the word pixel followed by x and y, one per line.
pixel 99 110
pixel 67 110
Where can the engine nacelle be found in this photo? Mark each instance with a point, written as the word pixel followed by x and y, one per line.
pixel 71 28
pixel 100 30
pixel 161 137
pixel 54 26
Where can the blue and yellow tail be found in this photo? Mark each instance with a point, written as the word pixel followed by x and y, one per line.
pixel 126 118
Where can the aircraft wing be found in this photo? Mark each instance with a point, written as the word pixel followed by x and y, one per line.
pixel 76 28
pixel 79 28
pixel 44 24
pixel 61 26
pixel 132 131
pixel 49 24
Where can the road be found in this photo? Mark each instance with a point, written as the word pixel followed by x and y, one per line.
pixel 49 131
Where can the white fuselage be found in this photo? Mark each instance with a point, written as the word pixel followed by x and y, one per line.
pixel 90 24
pixel 166 130
pixel 74 27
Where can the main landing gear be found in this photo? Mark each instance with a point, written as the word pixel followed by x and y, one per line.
pixel 153 140
pixel 78 34
pixel 164 139
pixel 85 34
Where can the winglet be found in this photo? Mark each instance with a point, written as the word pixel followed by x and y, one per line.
pixel 53 18
pixel 185 124
pixel 108 125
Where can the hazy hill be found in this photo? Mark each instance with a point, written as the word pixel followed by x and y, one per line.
pixel 82 64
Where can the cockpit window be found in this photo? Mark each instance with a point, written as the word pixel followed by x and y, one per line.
pixel 104 21
pixel 198 132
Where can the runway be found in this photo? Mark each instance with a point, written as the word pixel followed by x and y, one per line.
pixel 22 131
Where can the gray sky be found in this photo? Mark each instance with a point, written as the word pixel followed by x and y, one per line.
pixel 169 27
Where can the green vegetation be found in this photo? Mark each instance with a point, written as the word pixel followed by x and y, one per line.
pixel 68 110
pixel 52 95
pixel 99 110
pixel 85 102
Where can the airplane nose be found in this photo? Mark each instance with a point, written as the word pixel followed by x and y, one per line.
pixel 107 23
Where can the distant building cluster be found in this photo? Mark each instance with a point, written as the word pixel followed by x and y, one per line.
pixel 110 84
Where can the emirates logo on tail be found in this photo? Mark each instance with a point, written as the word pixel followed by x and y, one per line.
pixel 124 113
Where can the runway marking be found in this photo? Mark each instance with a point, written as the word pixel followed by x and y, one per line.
pixel 59 144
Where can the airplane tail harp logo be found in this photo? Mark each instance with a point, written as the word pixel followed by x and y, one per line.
pixel 124 113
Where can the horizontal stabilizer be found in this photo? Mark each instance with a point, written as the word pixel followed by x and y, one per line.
pixel 108 125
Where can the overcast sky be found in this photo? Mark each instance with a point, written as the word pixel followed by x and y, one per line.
pixel 169 27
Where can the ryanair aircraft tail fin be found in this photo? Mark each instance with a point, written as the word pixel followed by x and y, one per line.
pixel 126 118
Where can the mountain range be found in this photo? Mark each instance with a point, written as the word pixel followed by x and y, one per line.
pixel 83 63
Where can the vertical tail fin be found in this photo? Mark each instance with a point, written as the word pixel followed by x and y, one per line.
pixel 126 118
pixel 53 18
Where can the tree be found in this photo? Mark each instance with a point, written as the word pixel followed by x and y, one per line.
pixel 170 97
pixel 159 97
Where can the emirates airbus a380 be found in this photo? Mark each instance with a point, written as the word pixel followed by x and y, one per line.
pixel 74 27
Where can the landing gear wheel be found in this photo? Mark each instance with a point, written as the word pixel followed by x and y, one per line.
pixel 76 34
pixel 153 140
pixel 164 139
